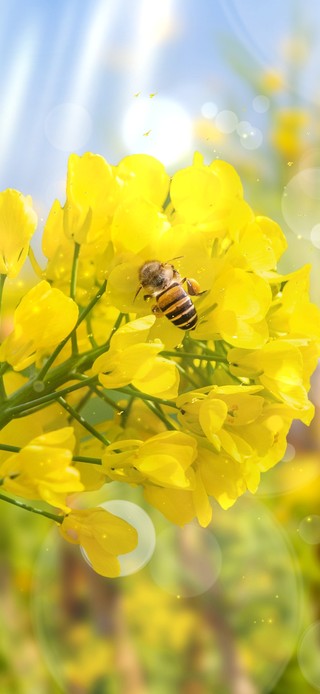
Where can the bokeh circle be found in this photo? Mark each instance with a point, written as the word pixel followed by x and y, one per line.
pixel 186 561
pixel 308 655
pixel 139 519
pixel 252 139
pixel 261 103
pixel 309 529
pixel 301 202
pixel 226 121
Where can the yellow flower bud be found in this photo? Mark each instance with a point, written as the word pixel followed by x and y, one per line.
pixel 91 191
pixel 18 221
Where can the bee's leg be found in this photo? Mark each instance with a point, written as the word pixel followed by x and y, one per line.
pixel 155 309
pixel 147 296
pixel 193 286
pixel 176 275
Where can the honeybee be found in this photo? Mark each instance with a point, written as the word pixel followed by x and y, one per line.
pixel 163 282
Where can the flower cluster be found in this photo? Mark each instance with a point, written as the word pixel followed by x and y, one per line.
pixel 198 414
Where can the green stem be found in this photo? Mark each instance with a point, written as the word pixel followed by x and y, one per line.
pixel 90 332
pixel 26 507
pixel 84 400
pixel 92 303
pixel 75 415
pixel 212 356
pixel 86 459
pixel 125 413
pixel 3 394
pixel 11 449
pixel 156 409
pixel 76 458
pixel 86 359
pixel 102 395
pixel 47 399
pixel 73 287
pixel 143 396
pixel 58 376
pixel 2 281
pixel 27 400
pixel 61 345
pixel 114 329
pixel 4 367
pixel 53 357
pixel 74 270
pixel 187 376
pixel 103 348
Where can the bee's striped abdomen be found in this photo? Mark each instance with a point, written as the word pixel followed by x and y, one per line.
pixel 177 306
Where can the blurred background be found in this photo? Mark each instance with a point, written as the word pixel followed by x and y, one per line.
pixel 234 609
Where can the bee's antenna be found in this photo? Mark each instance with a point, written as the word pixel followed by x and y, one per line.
pixel 176 258
pixel 137 292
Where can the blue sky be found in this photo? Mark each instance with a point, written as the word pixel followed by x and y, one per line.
pixel 69 71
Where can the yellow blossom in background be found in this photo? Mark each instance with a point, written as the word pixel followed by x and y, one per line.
pixel 191 417
pixel 102 535
pixel 272 81
pixel 18 222
pixel 290 132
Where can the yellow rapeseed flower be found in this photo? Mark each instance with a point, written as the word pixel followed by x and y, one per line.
pixel 240 302
pixel 201 194
pixel 224 478
pixel 43 318
pixel 43 469
pixel 293 312
pixel 258 245
pixel 141 366
pixel 278 366
pixel 218 413
pixel 102 535
pixel 18 221
pixel 131 360
pixel 141 175
pixel 91 188
pixel 137 223
pixel 164 459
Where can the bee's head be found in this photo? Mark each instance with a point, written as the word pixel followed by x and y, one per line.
pixel 155 276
